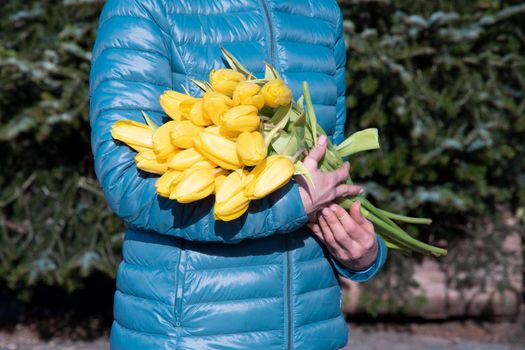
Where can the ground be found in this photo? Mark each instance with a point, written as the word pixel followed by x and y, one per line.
pixel 452 335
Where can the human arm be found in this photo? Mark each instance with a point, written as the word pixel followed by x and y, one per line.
pixel 356 251
pixel 368 255
pixel 131 68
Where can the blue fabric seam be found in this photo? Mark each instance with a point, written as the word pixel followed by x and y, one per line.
pixel 147 19
pixel 317 290
pixel 230 301
pixel 147 333
pixel 319 321
pixel 136 296
pixel 131 81
pixel 125 48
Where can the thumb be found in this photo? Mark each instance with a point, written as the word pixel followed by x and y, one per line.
pixel 317 153
pixel 355 212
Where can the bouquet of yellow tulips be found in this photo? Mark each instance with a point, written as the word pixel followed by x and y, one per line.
pixel 242 140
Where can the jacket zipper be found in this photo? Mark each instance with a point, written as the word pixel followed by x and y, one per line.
pixel 270 29
pixel 181 272
pixel 288 303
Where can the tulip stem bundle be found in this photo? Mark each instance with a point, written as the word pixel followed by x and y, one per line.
pixel 242 140
pixel 394 236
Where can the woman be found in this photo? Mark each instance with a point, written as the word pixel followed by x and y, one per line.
pixel 263 281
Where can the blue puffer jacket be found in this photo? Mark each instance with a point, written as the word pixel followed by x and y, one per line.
pixel 186 281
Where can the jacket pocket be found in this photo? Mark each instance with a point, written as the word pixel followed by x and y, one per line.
pixel 180 282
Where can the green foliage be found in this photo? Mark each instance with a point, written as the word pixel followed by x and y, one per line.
pixel 55 227
pixel 443 81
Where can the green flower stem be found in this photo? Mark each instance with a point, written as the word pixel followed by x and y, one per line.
pixel 407 219
pixel 395 236
pixel 404 237
pixel 367 210
pixel 310 113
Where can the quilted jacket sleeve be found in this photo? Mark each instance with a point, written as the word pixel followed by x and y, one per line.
pixel 340 55
pixel 130 70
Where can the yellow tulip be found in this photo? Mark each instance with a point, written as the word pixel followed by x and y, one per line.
pixel 183 132
pixel 241 118
pixel 230 201
pixel 269 175
pixel 192 109
pixel 189 158
pixel 147 161
pixel 218 149
pixel 162 145
pixel 225 80
pixel 164 183
pixel 220 176
pixel 170 102
pixel 276 93
pixel 214 104
pixel 194 184
pixel 222 131
pixel 136 135
pixel 247 93
pixel 251 148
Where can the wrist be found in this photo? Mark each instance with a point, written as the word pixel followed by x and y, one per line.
pixel 364 262
pixel 305 198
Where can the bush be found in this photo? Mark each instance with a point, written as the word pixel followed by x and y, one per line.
pixel 55 227
pixel 444 81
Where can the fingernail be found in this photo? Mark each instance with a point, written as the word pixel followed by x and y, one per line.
pixel 326 211
pixel 322 140
pixel 362 191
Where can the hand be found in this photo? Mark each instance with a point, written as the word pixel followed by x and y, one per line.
pixel 348 236
pixel 327 186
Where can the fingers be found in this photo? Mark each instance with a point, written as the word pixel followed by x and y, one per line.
pixel 317 153
pixel 328 236
pixel 316 230
pixel 365 235
pixel 338 230
pixel 355 212
pixel 341 174
pixel 346 220
pixel 345 190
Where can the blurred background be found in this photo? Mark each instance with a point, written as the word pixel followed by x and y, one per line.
pixel 443 80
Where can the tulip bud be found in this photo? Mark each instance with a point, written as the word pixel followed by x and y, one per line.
pixel 268 176
pixel 247 93
pixel 251 148
pixel 214 104
pixel 183 132
pixel 194 184
pixel 230 201
pixel 136 135
pixel 170 102
pixel 276 93
pixel 192 110
pixel 218 149
pixel 165 182
pixel 220 176
pixel 225 80
pixel 189 158
pixel 241 118
pixel 162 145
pixel 222 131
pixel 147 161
